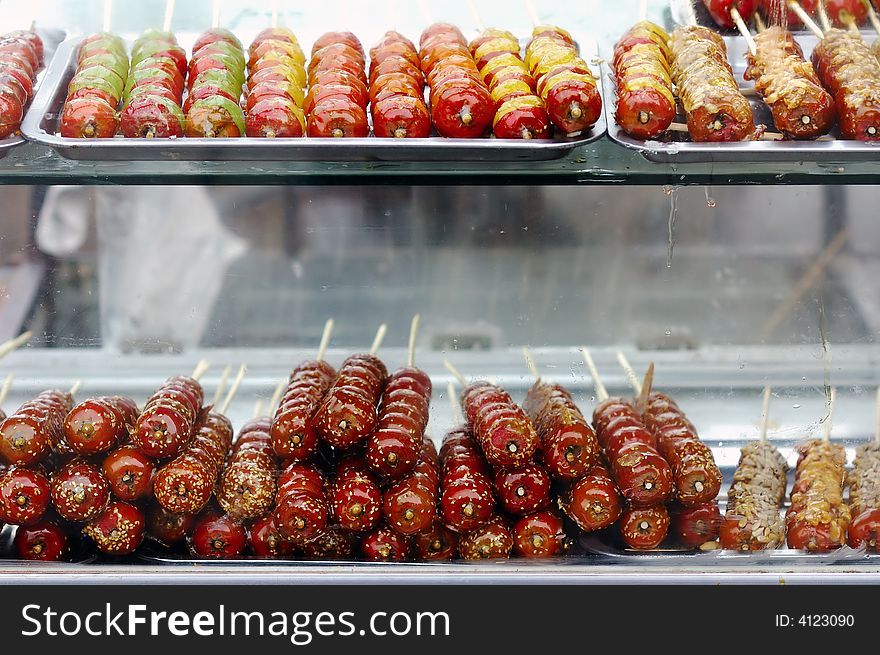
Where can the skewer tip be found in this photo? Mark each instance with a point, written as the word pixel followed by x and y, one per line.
pixel 455 372
pixel 378 339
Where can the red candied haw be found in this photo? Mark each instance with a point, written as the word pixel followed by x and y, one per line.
pixel 167 528
pixel 129 472
pixel 247 487
pixel 384 545
pixel 118 530
pixel 644 528
pixel 218 537
pixel 356 501
pixel 438 543
pixel 592 502
pixel 492 540
pixel 410 505
pixel 44 541
pixel 523 490
pixel 390 453
pixel 24 440
pixel 93 426
pixel 466 502
pixel 300 515
pixel 333 544
pixel 24 496
pixel 695 526
pixel 164 429
pixel 267 541
pixel 80 491
pixel 539 535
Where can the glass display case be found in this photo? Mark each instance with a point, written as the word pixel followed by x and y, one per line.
pixel 728 276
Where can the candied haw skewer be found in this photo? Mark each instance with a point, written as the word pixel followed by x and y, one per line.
pixel 24 496
pixel 504 432
pixel 697 525
pixel 437 544
pixel 44 541
pixel 167 528
pixel 492 540
pixel 168 421
pixel 97 425
pixel 218 536
pixel 355 498
pixel 293 432
pixel 592 502
pixel 384 545
pixel 185 484
pixel 247 485
pixel 410 504
pixel 568 445
pixel 28 435
pixel 118 530
pixel 129 472
pixel 393 449
pixel 644 528
pixel 524 490
pixel 641 474
pixel 467 499
pixel 300 506
pixel 267 541
pixel 348 413
pixel 80 491
pixel 539 535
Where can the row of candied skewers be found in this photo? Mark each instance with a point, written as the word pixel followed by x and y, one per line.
pixel 272 90
pixel 841 84
pixel 343 468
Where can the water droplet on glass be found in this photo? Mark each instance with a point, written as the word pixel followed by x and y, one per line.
pixel 668 332
pixel 804 379
pixel 796 406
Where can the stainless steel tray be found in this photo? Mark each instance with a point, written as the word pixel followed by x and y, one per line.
pixel 41 126
pixel 677 148
pixel 52 38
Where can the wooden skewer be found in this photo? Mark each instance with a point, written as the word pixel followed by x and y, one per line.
pixel 200 369
pixel 876 417
pixel 454 407
pixel 847 19
pixel 215 15
pixel 4 391
pixel 530 362
pixel 15 344
pixel 630 373
pixel 872 15
pixel 413 334
pixel 533 15
pixel 325 339
pixel 108 15
pixel 807 280
pixel 643 9
pixel 221 386
pixel 828 423
pixel 455 373
pixel 601 391
pixel 823 16
pixel 759 22
pixel 234 388
pixel 476 14
pixel 258 408
pixel 378 339
pixel 169 15
pixel 743 29
pixel 765 414
pixel 75 387
pixel 276 396
pixel 647 385
pixel 275 13
pixel 807 20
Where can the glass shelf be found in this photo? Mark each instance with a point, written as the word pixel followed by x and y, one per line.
pixel 602 162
